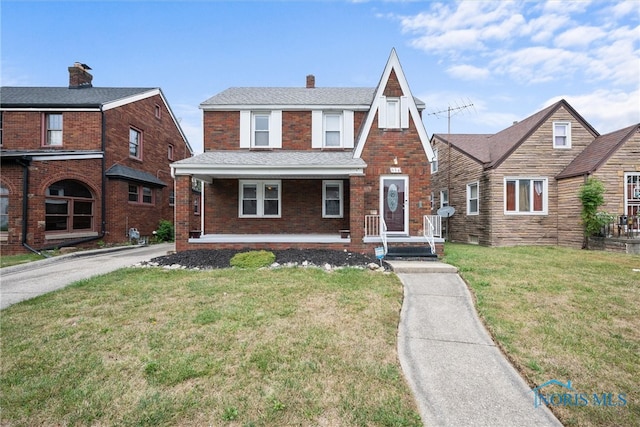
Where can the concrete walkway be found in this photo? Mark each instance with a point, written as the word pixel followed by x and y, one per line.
pixel 458 375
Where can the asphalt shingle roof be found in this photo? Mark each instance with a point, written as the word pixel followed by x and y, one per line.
pixel 597 152
pixel 299 96
pixel 274 159
pixel 13 96
pixel 125 172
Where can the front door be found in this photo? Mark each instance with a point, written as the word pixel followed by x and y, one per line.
pixel 394 201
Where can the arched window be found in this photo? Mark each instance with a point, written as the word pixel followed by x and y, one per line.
pixel 4 209
pixel 69 207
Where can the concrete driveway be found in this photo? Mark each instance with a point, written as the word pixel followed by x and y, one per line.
pixel 22 282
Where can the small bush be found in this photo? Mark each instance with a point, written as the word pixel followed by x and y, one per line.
pixel 253 259
pixel 165 231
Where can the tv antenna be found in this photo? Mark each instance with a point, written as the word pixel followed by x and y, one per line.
pixel 451 110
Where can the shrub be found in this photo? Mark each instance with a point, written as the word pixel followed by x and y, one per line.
pixel 592 197
pixel 165 231
pixel 253 259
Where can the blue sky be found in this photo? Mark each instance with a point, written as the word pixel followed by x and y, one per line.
pixel 507 58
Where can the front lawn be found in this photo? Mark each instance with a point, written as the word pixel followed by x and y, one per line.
pixel 155 347
pixel 567 315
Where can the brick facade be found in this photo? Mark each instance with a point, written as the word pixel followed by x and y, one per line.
pixel 84 133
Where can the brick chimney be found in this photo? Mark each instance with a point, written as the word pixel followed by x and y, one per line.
pixel 79 77
pixel 311 81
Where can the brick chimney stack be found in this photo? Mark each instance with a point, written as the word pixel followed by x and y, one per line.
pixel 79 77
pixel 311 81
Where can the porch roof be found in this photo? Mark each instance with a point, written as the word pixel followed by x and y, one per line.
pixel 270 164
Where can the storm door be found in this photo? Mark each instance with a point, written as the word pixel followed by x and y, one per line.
pixel 394 200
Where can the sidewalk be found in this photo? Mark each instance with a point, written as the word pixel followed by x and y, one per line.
pixel 458 375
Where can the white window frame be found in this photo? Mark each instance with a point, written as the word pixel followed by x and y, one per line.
pixel 434 162
pixel 444 195
pixel 545 192
pixel 392 113
pixel 567 129
pixel 475 184
pixel 260 198
pixel 325 184
pixel 255 130
pixel 325 129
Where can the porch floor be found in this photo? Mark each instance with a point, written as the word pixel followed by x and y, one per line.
pixel 270 238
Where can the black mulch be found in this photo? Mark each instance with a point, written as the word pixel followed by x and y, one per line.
pixel 220 258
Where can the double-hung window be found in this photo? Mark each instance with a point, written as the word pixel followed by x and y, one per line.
pixel 332 202
pixel 525 196
pixel 333 130
pixel 140 194
pixel 473 203
pixel 135 143
pixel 53 124
pixel 434 162
pixel 561 135
pixel 260 199
pixel 444 198
pixel 260 126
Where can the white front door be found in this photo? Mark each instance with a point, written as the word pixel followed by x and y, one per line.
pixel 394 203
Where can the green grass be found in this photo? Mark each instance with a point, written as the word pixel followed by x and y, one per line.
pixel 229 347
pixel 563 314
pixel 9 260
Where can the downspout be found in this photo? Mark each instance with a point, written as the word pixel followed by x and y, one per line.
pixel 26 162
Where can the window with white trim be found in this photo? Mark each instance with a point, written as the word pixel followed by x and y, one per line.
pixel 444 198
pixel 525 196
pixel 393 113
pixel 260 199
pixel 561 135
pixel 434 162
pixel 53 124
pixel 332 130
pixel 260 130
pixel 332 200
pixel 473 199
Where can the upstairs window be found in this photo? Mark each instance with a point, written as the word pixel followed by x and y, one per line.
pixel 472 199
pixel 135 143
pixel 261 199
pixel 332 130
pixel 170 152
pixel 260 132
pixel 393 113
pixel 525 195
pixel 332 203
pixel 158 112
pixel 561 135
pixel 434 163
pixel 53 124
pixel 444 198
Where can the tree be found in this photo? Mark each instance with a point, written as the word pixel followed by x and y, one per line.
pixel 592 197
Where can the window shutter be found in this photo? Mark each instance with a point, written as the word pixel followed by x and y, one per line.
pixel 275 129
pixel 404 112
pixel 316 129
pixel 245 129
pixel 347 120
pixel 382 112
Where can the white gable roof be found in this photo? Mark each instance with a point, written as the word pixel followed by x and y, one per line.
pixel 393 64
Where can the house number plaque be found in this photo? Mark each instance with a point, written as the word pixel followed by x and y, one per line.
pixel 396 170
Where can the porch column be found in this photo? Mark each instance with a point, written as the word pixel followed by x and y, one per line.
pixel 356 212
pixel 183 206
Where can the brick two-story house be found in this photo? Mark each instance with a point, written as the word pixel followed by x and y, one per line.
pixel 338 168
pixel 520 185
pixel 84 164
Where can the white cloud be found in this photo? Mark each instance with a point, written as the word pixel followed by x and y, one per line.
pixel 190 119
pixel 606 110
pixel 468 72
pixel 580 37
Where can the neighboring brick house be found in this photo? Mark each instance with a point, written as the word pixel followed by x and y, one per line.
pixel 518 186
pixel 84 164
pixel 309 167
